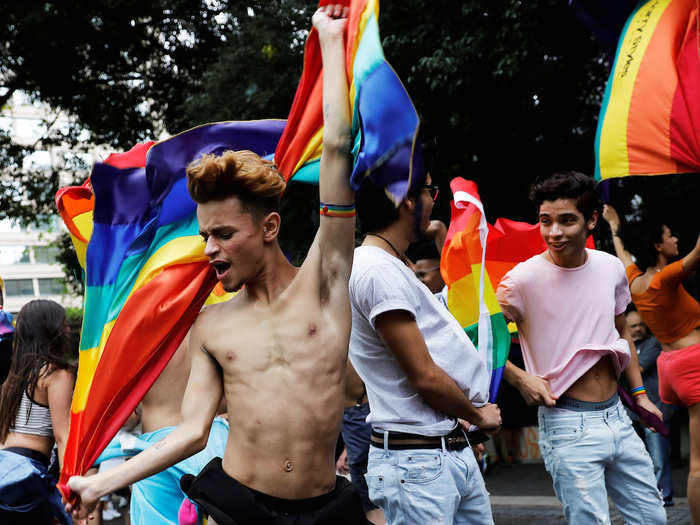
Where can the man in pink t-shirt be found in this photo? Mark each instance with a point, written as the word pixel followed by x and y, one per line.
pixel 569 304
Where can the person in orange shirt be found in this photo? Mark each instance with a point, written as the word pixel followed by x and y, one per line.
pixel 673 316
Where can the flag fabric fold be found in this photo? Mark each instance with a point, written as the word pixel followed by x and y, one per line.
pixel 146 275
pixel 135 230
pixel 385 123
pixel 649 122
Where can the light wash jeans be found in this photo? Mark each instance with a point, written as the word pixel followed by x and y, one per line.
pixel 596 454
pixel 660 451
pixel 428 486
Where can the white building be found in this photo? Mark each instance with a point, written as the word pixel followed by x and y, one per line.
pixel 27 264
pixel 29 269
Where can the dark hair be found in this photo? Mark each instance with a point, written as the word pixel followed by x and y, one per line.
pixel 422 250
pixel 255 181
pixel 375 211
pixel 641 239
pixel 39 349
pixel 567 185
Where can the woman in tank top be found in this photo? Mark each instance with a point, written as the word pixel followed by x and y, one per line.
pixel 673 316
pixel 34 414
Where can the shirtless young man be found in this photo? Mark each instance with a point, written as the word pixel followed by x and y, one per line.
pixel 277 350
pixel 569 303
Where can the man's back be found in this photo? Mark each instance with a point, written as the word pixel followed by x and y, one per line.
pixel 160 407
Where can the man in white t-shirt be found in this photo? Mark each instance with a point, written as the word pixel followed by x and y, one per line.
pixel 569 304
pixel 421 371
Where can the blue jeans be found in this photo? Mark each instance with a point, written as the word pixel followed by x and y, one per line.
pixel 356 432
pixel 660 451
pixel 428 486
pixel 593 454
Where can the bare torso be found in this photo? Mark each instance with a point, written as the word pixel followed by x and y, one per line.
pixel 283 368
pixel 160 407
pixel 597 384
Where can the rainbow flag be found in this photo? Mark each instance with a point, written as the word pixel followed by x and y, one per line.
pixel 135 229
pixel 384 121
pixel 649 121
pixel 475 257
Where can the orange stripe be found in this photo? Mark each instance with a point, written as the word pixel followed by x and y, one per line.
pixel 648 127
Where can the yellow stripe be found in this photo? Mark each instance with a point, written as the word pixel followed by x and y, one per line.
pixel 312 150
pixel 614 157
pixel 84 224
pixel 178 251
pixel 463 297
pixel 86 370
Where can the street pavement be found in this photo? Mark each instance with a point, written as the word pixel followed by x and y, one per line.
pixel 522 492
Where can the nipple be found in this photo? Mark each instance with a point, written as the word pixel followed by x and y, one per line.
pixel 288 465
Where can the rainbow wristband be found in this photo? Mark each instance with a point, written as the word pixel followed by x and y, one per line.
pixel 639 391
pixel 337 210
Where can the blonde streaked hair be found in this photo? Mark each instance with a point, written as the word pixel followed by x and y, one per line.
pixel 243 174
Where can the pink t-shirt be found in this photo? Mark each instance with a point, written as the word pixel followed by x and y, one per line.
pixel 566 316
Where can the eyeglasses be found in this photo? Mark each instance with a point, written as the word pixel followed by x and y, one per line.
pixel 424 273
pixel 433 190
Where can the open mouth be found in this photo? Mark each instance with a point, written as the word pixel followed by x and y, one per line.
pixel 221 268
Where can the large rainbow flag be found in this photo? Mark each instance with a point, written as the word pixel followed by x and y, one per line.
pixel 384 121
pixel 135 230
pixel 475 257
pixel 649 121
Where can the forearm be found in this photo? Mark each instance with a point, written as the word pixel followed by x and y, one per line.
pixel 513 375
pixel 180 444
pixel 444 395
pixel 632 374
pixel 334 184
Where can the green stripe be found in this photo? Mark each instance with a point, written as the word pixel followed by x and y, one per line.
pixel 500 336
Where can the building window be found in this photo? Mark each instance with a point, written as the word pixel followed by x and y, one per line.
pixel 14 254
pixel 16 287
pixel 50 286
pixel 45 254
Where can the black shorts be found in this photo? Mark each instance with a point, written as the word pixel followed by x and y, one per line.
pixel 229 502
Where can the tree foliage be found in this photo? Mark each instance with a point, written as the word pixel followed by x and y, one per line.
pixel 507 90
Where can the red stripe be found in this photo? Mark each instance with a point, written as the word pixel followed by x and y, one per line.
pixel 685 111
pixel 134 158
pixel 146 334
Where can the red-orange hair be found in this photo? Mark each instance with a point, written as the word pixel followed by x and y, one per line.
pixel 243 174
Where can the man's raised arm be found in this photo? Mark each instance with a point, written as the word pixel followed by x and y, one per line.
pixel 335 238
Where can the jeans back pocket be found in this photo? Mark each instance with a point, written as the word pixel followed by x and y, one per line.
pixel 421 467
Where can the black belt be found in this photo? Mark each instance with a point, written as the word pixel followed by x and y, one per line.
pixel 455 440
pixel 29 453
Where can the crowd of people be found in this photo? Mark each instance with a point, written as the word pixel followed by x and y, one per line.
pixel 359 341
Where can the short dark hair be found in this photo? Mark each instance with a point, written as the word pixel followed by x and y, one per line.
pixel 642 238
pixel 567 185
pixel 375 211
pixel 418 251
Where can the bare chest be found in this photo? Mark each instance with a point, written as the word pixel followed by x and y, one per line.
pixel 299 339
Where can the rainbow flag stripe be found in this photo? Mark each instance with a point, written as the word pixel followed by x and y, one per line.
pixel 146 274
pixel 649 121
pixel 384 121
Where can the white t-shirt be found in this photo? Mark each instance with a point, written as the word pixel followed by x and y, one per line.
pixel 380 283
pixel 566 316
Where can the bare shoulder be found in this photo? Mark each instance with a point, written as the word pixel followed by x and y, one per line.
pixel 215 318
